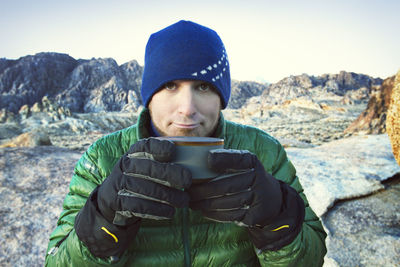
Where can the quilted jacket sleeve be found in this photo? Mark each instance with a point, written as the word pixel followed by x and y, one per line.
pixel 65 249
pixel 308 248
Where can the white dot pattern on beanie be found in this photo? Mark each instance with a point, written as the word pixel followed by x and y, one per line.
pixel 212 68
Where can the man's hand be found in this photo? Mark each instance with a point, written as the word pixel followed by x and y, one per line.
pixel 143 184
pixel 248 196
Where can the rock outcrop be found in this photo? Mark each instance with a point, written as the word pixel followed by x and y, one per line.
pixel 34 182
pixel 393 118
pixel 343 169
pixel 373 119
pixel 345 183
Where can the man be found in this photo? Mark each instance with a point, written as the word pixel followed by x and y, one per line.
pixel 128 205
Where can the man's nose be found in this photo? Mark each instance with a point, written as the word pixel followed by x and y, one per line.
pixel 186 101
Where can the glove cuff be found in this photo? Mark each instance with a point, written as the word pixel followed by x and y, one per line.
pixel 102 238
pixel 285 227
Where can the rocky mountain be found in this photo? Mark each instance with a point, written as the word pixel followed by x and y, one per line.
pixel 28 79
pixel 347 87
pixel 80 85
pixel 373 118
pixel 101 85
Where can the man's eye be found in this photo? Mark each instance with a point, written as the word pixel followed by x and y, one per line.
pixel 170 86
pixel 204 87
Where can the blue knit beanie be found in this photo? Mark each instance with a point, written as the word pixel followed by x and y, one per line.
pixel 185 51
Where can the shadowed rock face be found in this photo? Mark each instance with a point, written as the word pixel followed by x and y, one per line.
pixel 373 118
pixel 242 90
pixel 28 79
pixel 80 85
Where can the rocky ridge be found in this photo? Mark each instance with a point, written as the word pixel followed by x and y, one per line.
pixel 80 85
pixel 101 85
pixel 351 86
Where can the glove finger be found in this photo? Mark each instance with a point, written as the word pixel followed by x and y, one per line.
pixel 142 188
pixel 159 150
pixel 144 208
pixel 227 202
pixel 226 216
pixel 168 174
pixel 226 160
pixel 233 184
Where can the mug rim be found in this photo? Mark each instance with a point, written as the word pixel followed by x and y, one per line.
pixel 193 140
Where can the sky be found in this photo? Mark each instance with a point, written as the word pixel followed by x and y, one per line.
pixel 265 40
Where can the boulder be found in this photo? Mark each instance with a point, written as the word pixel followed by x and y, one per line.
pixel 345 183
pixel 33 184
pixel 365 231
pixel 29 139
pixel 343 169
pixel 393 119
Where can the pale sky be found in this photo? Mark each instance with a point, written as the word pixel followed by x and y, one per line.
pixel 265 40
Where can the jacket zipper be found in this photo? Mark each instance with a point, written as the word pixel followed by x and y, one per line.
pixel 54 249
pixel 185 236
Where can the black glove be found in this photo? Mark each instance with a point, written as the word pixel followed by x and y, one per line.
pixel 143 184
pixel 245 194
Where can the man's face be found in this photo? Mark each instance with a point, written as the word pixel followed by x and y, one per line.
pixel 185 108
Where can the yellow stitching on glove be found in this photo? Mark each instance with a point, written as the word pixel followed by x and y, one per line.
pixel 281 227
pixel 111 234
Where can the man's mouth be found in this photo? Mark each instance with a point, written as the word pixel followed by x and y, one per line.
pixel 186 125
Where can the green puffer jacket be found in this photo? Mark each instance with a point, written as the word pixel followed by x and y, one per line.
pixel 170 242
